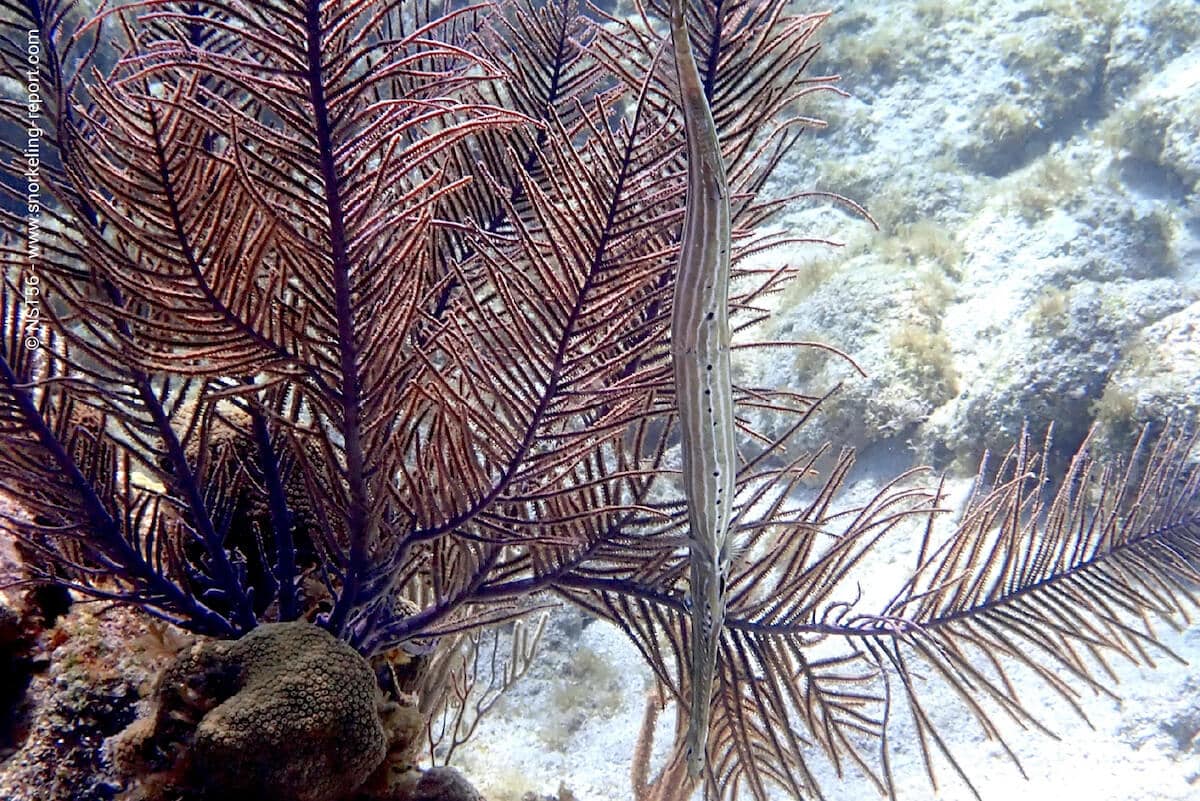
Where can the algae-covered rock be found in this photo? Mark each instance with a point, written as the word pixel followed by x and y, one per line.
pixel 1053 64
pixel 1154 381
pixel 887 317
pixel 435 784
pixel 286 713
pixel 444 784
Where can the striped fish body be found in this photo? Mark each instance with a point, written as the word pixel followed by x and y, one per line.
pixel 700 342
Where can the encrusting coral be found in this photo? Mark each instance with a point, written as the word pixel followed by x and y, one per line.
pixel 286 712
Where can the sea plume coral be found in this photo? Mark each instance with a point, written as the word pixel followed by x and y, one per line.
pixel 359 311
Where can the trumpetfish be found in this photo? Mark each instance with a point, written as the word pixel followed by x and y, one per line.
pixel 700 342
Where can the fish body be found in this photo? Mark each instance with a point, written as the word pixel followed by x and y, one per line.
pixel 700 355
